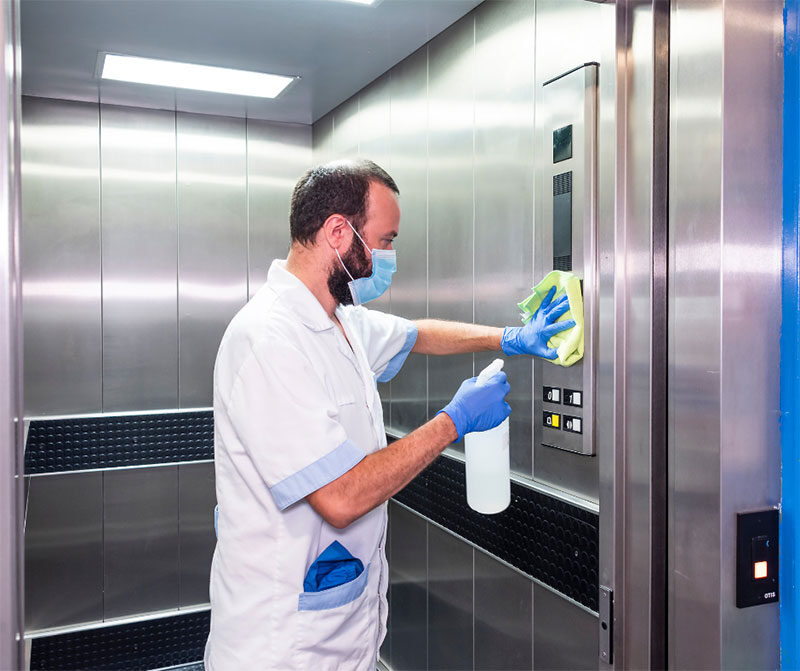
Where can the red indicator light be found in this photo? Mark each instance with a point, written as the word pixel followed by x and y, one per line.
pixel 760 570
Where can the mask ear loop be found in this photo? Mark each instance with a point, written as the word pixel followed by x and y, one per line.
pixel 369 251
pixel 344 266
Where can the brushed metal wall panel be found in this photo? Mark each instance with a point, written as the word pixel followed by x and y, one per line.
pixel 409 122
pixel 565 637
pixel 504 162
pixel 322 139
pixel 697 30
pixel 196 500
pixel 503 616
pixel 277 156
pixel 64 551
pixel 450 601
pixel 750 454
pixel 557 53
pixel 408 576
pixel 140 511
pixel 60 254
pixel 450 197
pixel 140 259
pixel 374 122
pixel 346 130
pixel 212 244
pixel 374 128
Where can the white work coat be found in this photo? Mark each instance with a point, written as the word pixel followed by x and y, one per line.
pixel 295 408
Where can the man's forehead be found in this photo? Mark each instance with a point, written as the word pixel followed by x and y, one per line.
pixel 383 207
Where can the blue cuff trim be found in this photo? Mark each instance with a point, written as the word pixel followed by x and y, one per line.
pixel 397 361
pixel 317 474
pixel 335 596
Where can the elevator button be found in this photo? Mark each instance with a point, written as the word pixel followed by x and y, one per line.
pixel 551 419
pixel 572 424
pixel 551 394
pixel 573 397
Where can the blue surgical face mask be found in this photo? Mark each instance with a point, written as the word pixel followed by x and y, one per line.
pixel 384 265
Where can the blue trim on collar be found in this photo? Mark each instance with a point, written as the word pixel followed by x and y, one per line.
pixel 317 474
pixel 397 361
pixel 335 596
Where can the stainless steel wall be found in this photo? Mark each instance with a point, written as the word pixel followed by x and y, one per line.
pixel 143 233
pixel 724 312
pixel 106 544
pixel 461 146
pixel 11 506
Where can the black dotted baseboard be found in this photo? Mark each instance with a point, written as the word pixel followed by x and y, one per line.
pixel 550 540
pixel 154 644
pixel 81 443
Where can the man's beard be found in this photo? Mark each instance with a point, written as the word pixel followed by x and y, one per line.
pixel 355 258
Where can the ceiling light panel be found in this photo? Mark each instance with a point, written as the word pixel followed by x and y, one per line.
pixel 190 76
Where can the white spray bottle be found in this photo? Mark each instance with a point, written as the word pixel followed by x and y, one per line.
pixel 488 480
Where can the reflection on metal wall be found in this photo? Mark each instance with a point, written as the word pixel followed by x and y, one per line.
pixel 462 149
pixel 11 426
pixel 212 244
pixel 461 144
pixel 61 257
pixel 277 154
pixel 725 264
pixel 139 256
pixel 120 517
pixel 176 213
pixel 409 163
pixel 504 158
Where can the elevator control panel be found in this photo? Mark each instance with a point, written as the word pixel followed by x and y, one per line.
pixel 567 240
pixel 756 558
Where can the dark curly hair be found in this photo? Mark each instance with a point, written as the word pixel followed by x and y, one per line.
pixel 340 187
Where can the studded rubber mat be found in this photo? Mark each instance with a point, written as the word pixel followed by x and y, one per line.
pixel 74 444
pixel 550 540
pixel 154 644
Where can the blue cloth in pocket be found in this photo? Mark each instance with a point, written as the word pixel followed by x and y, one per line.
pixel 335 566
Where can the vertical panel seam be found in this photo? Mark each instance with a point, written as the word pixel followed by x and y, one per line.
pixel 427 215
pixel 103 544
pixel 177 263
pixel 473 607
pixel 100 227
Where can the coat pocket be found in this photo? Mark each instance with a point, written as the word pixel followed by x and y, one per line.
pixel 335 597
pixel 336 628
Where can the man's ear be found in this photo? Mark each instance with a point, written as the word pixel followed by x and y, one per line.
pixel 334 231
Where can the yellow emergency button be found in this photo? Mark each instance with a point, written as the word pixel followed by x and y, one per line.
pixel 556 421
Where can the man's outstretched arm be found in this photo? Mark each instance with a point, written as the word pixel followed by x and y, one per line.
pixel 439 337
pixel 380 475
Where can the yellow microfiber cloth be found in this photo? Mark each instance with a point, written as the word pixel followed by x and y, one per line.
pixel 568 343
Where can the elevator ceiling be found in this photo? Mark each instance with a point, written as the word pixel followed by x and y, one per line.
pixel 335 47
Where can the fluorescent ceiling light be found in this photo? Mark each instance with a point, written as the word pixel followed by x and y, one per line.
pixel 362 2
pixel 190 76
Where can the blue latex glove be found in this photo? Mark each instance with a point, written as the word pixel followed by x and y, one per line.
pixel 532 338
pixel 334 567
pixel 479 408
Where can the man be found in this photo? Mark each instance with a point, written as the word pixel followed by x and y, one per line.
pixel 299 574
